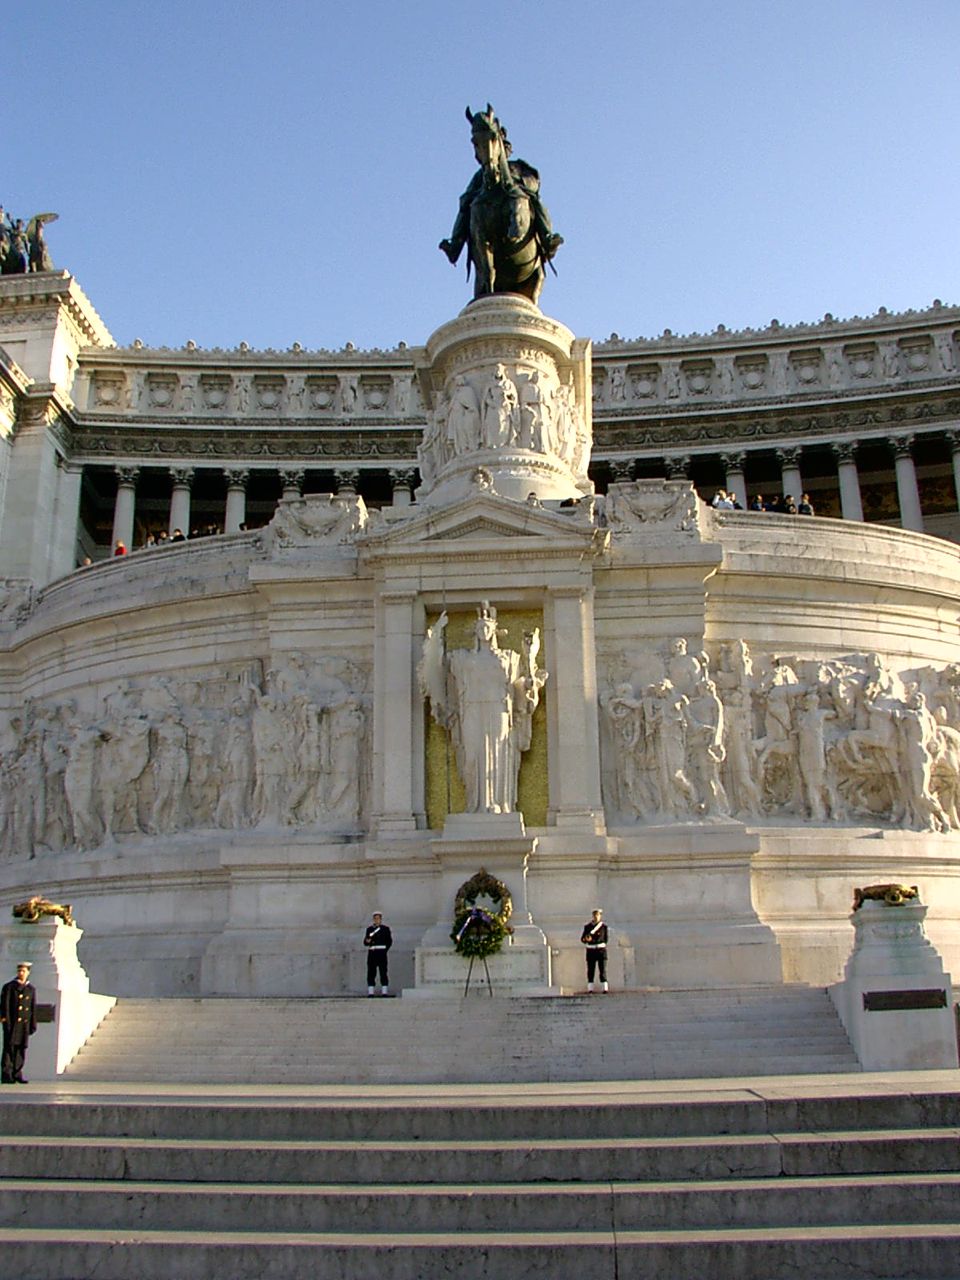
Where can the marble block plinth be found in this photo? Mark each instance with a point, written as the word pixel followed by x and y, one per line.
pixel 516 970
pixel 894 964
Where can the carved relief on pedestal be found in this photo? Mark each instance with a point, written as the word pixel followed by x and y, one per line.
pixel 285 748
pixel 656 506
pixel 506 389
pixel 842 739
pixel 316 518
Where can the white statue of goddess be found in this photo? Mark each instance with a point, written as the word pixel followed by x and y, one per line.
pixel 486 698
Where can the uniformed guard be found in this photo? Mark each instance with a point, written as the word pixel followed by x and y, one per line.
pixel 18 1014
pixel 378 940
pixel 594 938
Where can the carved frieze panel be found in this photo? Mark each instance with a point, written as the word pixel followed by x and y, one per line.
pixel 281 745
pixel 755 737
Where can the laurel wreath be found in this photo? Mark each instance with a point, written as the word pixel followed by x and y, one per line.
pixel 478 933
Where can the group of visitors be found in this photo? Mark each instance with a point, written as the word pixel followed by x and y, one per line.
pixel 162 539
pixel 781 504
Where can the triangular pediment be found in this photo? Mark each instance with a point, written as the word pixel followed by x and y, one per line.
pixel 483 517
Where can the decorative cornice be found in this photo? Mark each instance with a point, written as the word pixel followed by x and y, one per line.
pixel 43 290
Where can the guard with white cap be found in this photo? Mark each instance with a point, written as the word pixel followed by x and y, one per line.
pixel 378 940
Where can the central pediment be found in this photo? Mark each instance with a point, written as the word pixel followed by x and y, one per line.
pixel 485 517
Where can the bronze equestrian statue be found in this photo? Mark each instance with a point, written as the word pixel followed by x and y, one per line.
pixel 501 219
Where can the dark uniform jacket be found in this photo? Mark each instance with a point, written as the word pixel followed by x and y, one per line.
pixel 378 937
pixel 18 1007
pixel 594 935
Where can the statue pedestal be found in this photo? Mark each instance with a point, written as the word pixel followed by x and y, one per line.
pixel 507 391
pixel 895 999
pixel 64 998
pixel 470 843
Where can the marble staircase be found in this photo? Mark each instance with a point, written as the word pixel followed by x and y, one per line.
pixel 789 1029
pixel 834 1179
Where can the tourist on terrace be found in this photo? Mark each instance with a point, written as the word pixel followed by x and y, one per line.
pixel 757 503
pixel 120 549
pixel 805 507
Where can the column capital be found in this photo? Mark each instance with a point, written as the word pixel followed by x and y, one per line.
pixel 734 461
pixel 902 446
pixel 571 591
pixel 953 440
pixel 292 477
pixel 127 475
pixel 347 480
pixel 789 455
pixel 621 469
pixel 677 467
pixel 845 450
pixel 236 479
pixel 403 477
pixel 182 476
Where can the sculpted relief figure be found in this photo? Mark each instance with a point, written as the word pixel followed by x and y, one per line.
pixel 485 697
pixel 463 418
pixel 500 421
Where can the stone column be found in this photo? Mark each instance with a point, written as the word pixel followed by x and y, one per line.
pixel 953 439
pixel 125 506
pixel 851 505
pixel 236 512
pixel 292 481
pixel 911 517
pixel 402 482
pixel 792 481
pixel 573 742
pixel 397 763
pixel 182 478
pixel 735 482
pixel 347 482
pixel 677 468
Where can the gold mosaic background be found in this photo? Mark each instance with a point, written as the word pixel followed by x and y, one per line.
pixel 444 790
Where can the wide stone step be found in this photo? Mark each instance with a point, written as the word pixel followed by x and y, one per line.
pixel 505 1161
pixel 469 1207
pixel 847 1252
pixel 525 1116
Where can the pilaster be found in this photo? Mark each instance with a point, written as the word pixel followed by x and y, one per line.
pixel 573 732
pixel 397 780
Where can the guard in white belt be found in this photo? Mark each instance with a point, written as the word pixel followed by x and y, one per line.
pixel 594 938
pixel 378 940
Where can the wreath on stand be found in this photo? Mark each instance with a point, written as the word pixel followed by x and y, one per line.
pixel 478 933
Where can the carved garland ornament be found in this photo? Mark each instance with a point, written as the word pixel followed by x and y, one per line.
pixel 478 933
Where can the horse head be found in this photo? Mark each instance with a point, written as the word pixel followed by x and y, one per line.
pixel 489 139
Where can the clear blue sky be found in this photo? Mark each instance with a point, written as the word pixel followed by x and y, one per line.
pixel 232 170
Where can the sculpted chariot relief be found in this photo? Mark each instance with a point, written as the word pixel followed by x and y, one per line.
pixel 833 740
pixel 486 698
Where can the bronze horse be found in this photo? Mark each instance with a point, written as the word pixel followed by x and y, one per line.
pixel 501 217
